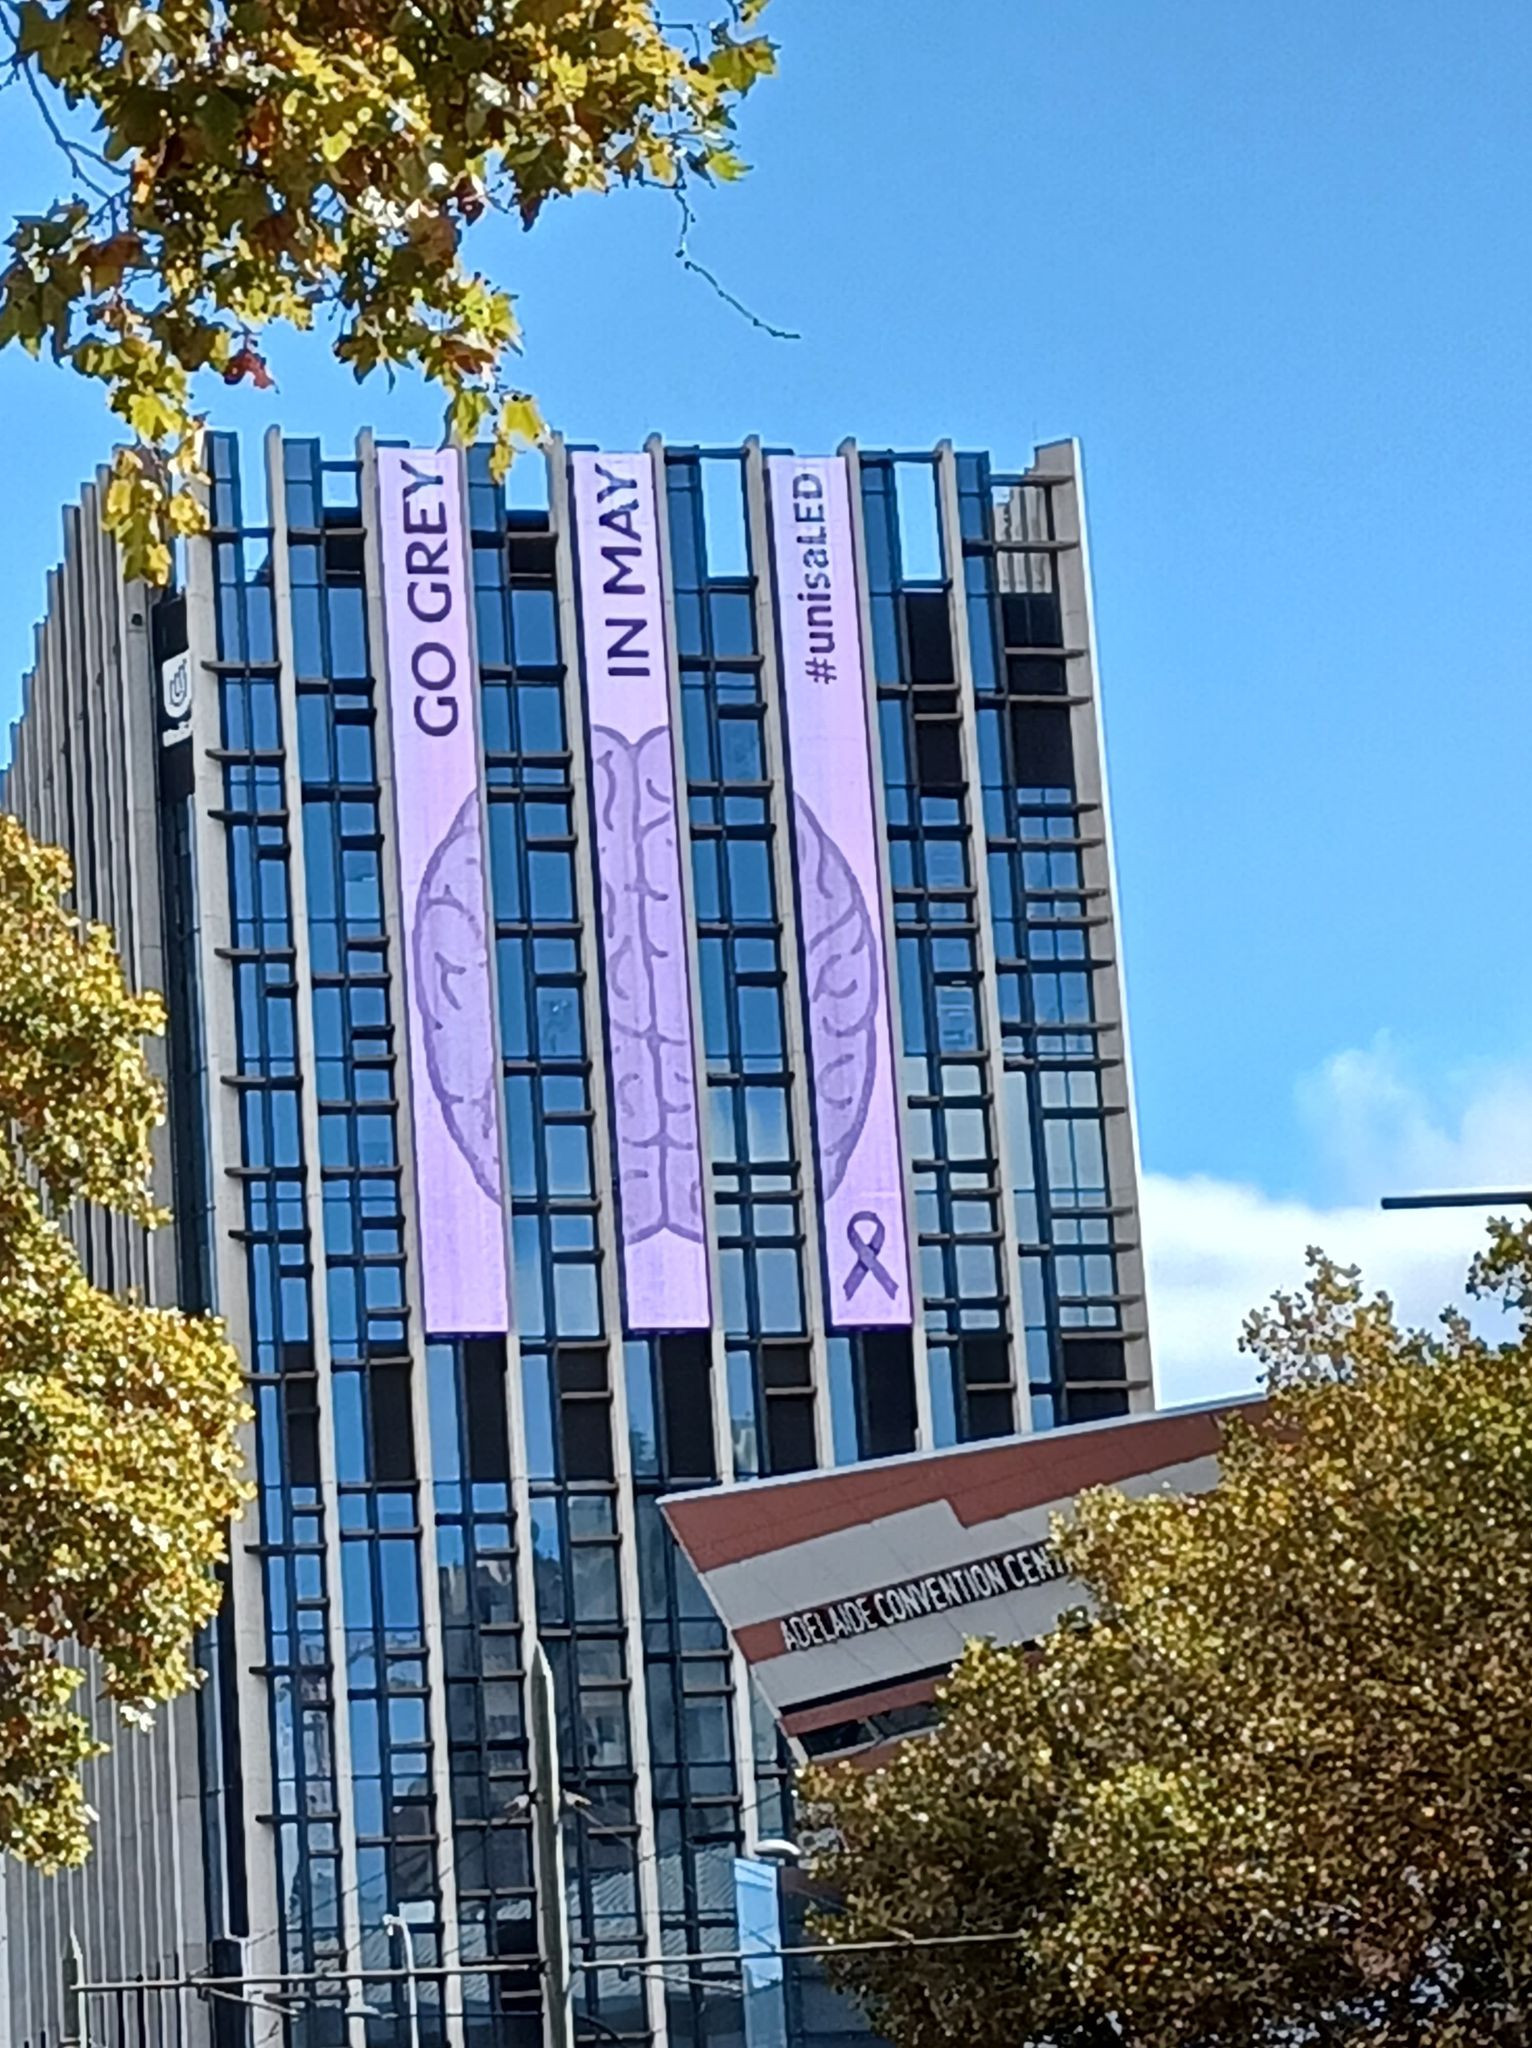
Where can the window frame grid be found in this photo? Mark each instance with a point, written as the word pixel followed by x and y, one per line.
pixel 389 1692
pixel 1035 836
pixel 774 1420
pixel 490 1774
pixel 967 1326
pixel 567 1423
pixel 292 1549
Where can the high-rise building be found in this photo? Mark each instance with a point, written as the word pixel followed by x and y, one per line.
pixel 645 1006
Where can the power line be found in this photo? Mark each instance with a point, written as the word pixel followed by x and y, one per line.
pixel 574 1804
pixel 619 1965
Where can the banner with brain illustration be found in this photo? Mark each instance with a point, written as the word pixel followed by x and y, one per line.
pixel 856 1110
pixel 645 977
pixel 454 1060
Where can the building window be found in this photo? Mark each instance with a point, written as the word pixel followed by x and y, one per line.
pixel 757 1177
pixel 274 1234
pixel 387 1688
pixel 565 1361
pixel 950 1122
pixel 1046 926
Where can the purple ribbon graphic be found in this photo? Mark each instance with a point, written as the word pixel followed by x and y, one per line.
pixel 845 978
pixel 867 1243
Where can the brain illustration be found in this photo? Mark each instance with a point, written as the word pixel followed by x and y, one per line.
pixel 647 1001
pixel 841 987
pixel 449 952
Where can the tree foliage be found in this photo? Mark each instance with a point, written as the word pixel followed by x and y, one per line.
pixel 255 161
pixel 1278 1789
pixel 120 1466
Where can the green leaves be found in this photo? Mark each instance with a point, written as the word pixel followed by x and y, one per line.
pixel 261 165
pixel 737 65
pixel 1277 1792
pixel 74 1087
pixel 138 120
pixel 120 1461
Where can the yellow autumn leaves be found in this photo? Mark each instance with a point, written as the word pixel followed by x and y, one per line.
pixel 1278 1789
pixel 120 1467
pixel 226 168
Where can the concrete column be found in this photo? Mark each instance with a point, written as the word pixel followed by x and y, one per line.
pixel 1060 461
pixel 245 1610
pixel 993 1056
pixel 313 1194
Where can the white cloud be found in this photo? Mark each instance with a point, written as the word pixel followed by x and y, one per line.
pixel 1380 1129
pixel 1215 1249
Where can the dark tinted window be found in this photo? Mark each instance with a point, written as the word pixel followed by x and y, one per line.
pixel 393 1436
pixel 300 1400
pixel 1036 675
pixel 1093 1358
pixel 930 636
pixel 888 1400
pixel 587 1430
pixel 484 1373
pixel 790 1433
pixel 1096 1404
pixel 1031 619
pixel 1044 751
pixel 686 1407
pixel 938 755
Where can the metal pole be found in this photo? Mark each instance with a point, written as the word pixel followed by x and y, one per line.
pixel 74 2001
pixel 547 1804
pixel 411 1995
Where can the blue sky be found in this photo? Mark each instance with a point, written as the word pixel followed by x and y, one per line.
pixel 1273 265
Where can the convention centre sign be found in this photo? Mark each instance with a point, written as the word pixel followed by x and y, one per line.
pixel 909 1558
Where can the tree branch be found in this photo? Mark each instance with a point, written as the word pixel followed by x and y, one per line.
pixel 76 154
pixel 689 262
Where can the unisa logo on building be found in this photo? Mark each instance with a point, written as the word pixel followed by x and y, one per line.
pixel 176 698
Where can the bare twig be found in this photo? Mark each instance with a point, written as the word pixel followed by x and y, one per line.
pixel 686 28
pixel 689 262
pixel 77 154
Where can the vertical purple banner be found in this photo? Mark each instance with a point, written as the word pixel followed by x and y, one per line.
pixel 454 1060
pixel 643 923
pixel 856 1110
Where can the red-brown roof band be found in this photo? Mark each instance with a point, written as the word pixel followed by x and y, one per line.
pixel 981 1483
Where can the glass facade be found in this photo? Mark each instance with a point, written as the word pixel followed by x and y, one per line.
pixel 370 1369
pixel 1052 927
pixel 947 1059
pixel 757 1176
pixel 530 733
pixel 296 1534
pixel 444 1514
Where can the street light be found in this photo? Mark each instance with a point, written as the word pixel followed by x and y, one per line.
pixel 777 1849
pixel 399 1926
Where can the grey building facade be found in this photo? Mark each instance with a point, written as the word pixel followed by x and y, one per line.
pixel 442 1516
